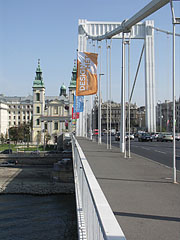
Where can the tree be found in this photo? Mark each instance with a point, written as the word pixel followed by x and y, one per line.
pixel 20 133
pixel 47 137
pixel 2 138
pixel 14 134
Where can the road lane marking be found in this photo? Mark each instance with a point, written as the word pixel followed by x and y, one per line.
pixel 145 148
pixel 160 151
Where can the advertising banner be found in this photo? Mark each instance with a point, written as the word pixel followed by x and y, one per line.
pixel 86 82
pixel 74 115
pixel 79 106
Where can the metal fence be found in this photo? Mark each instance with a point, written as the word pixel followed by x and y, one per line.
pixel 96 220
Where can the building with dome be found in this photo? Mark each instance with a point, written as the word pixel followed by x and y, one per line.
pixel 49 114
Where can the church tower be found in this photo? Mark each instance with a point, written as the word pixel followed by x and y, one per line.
pixel 72 88
pixel 63 90
pixel 38 104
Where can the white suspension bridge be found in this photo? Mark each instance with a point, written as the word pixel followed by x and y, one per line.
pixel 126 30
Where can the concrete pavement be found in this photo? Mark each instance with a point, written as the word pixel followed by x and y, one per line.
pixel 140 192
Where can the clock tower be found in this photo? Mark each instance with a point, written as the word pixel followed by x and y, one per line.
pixel 38 104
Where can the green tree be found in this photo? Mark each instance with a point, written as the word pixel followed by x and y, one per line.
pixel 20 133
pixel 14 134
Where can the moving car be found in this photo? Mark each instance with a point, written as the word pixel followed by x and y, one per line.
pixel 117 136
pixel 131 136
pixel 165 137
pixel 144 137
pixel 177 136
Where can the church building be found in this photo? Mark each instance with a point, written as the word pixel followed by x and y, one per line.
pixel 49 114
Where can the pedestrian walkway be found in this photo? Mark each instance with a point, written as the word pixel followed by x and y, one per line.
pixel 140 192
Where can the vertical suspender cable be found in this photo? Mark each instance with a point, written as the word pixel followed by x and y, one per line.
pixel 122 123
pixel 107 115
pixel 99 106
pixel 110 93
pixel 173 93
pixel 129 112
pixel 125 153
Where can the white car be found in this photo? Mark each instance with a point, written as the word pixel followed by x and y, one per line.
pixel 131 136
pixel 177 136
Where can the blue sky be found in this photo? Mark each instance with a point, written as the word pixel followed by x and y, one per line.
pixel 47 29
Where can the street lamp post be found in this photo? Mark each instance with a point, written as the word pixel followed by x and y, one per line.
pixel 174 22
pixel 99 110
pixel 160 116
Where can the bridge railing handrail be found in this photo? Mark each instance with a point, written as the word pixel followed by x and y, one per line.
pixel 99 220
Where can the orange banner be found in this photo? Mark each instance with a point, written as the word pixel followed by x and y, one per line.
pixel 86 82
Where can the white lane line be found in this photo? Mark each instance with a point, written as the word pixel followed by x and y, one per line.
pixel 145 148
pixel 160 151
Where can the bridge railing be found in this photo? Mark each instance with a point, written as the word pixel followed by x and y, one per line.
pixel 96 220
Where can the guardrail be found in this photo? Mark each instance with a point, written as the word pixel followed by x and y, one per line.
pixel 96 220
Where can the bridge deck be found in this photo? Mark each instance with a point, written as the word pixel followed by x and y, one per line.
pixel 139 191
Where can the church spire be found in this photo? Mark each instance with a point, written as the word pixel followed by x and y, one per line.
pixel 38 82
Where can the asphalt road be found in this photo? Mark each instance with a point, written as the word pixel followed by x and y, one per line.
pixel 161 152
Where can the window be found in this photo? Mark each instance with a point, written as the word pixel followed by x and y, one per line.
pixel 37 122
pixel 37 96
pixel 24 117
pixel 19 112
pixel 38 109
pixel 56 126
pixel 14 117
pixel 45 126
pixel 56 110
pixel 19 117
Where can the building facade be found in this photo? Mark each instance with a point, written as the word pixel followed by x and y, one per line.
pixel 46 114
pixel 137 116
pixel 165 116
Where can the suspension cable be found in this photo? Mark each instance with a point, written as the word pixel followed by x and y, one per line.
pixel 110 45
pixel 164 31
pixel 107 96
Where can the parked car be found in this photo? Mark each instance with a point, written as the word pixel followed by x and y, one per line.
pixel 177 136
pixel 165 137
pixel 8 163
pixel 7 151
pixel 36 152
pixel 144 137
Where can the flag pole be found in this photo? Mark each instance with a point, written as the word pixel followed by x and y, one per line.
pixel 76 96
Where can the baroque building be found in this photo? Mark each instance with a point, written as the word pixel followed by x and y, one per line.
pixel 47 114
